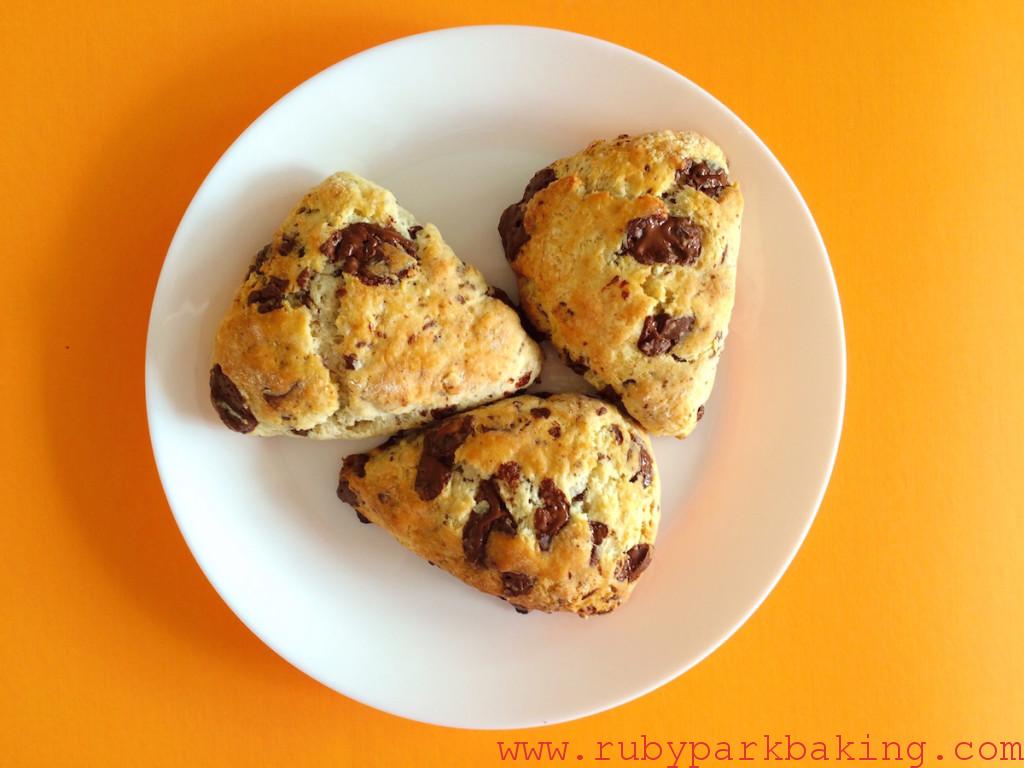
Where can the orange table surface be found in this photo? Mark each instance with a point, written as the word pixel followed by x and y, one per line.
pixel 901 616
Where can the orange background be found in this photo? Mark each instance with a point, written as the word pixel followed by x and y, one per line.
pixel 902 614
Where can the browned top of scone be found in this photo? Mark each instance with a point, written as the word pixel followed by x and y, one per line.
pixel 552 503
pixel 626 258
pixel 356 320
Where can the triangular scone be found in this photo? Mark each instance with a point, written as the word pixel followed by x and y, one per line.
pixel 551 503
pixel 625 256
pixel 356 321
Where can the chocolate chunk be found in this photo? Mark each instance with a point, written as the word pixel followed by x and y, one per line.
pixel 362 250
pixel 552 515
pixel 229 402
pixel 703 178
pixel 259 261
pixel 555 431
pixel 363 518
pixel 515 584
pixel 303 279
pixel 540 413
pixel 346 494
pixel 598 532
pixel 510 226
pixel 617 431
pixel 662 331
pixel 356 463
pixel 443 413
pixel 414 230
pixel 700 413
pixel 301 432
pixel 601 410
pixel 350 362
pixel 663 239
pixel 580 365
pixel 579 496
pixel 496 293
pixel 286 245
pixel 438 456
pixel 479 526
pixel 270 296
pixel 524 380
pixel 510 473
pixel 645 473
pixel 635 562
pixel 274 400
pixel 613 397
pixel 520 609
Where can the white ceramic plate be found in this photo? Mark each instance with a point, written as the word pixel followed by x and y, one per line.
pixel 455 122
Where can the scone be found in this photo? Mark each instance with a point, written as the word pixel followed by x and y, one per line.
pixel 625 256
pixel 357 320
pixel 550 503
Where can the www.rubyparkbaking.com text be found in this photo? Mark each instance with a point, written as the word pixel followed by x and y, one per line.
pixel 765 752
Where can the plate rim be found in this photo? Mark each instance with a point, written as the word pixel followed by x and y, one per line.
pixel 836 427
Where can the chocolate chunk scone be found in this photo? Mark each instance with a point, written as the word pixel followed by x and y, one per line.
pixel 551 503
pixel 625 256
pixel 357 320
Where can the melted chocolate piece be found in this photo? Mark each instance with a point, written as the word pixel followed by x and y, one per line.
pixel 361 250
pixel 663 239
pixel 552 515
pixel 363 518
pixel 524 380
pixel 270 296
pixel 438 456
pixel 356 463
pixel 515 584
pixel 540 413
pixel 700 413
pixel 555 431
pixel 703 178
pixel 274 400
pixel 510 226
pixel 617 431
pixel 479 526
pixel 443 413
pixel 635 562
pixel 598 532
pixel 229 402
pixel 303 279
pixel 662 331
pixel 646 471
pixel 301 432
pixel 286 245
pixel 350 362
pixel 258 262
pixel 580 365
pixel 496 293
pixel 414 230
pixel 510 473
pixel 608 393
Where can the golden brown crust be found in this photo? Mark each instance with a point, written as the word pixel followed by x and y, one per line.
pixel 335 334
pixel 512 497
pixel 631 314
